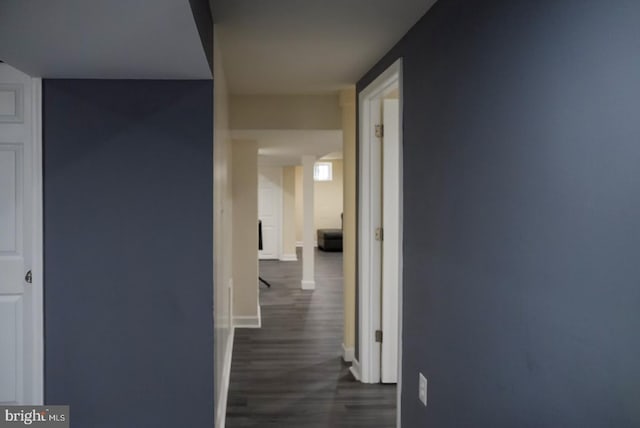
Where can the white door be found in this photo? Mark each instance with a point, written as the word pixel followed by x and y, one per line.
pixel 20 313
pixel 270 210
pixel 391 242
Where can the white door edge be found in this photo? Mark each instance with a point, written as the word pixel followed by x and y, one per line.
pixel 37 263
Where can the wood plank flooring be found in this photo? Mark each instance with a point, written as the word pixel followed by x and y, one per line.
pixel 289 373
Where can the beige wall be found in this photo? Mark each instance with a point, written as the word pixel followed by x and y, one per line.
pixel 285 112
pixel 288 212
pixel 298 204
pixel 245 235
pixel 222 216
pixel 348 104
pixel 328 200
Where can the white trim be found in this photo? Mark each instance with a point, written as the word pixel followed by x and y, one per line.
pixel 347 353
pixel 365 232
pixel 308 285
pixel 390 263
pixel 248 321
pixel 299 244
pixel 368 220
pixel 289 257
pixel 221 408
pixel 37 264
pixel 355 370
pixel 400 251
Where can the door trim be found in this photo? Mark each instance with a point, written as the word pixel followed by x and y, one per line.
pixel 37 261
pixel 369 284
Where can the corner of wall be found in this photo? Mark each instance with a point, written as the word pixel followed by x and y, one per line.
pixel 223 280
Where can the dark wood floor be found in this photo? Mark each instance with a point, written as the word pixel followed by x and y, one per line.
pixel 289 373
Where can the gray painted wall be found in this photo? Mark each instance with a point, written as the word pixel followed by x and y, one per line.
pixel 128 251
pixel 522 177
pixel 204 22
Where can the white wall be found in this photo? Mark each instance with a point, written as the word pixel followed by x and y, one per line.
pixel 222 244
pixel 328 200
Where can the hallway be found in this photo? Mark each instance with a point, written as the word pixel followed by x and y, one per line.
pixel 289 373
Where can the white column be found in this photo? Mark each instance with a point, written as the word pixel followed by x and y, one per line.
pixel 308 275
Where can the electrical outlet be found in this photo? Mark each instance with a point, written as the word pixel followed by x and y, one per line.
pixel 422 389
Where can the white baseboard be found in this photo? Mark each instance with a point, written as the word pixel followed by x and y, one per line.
pixel 300 244
pixel 347 354
pixel 355 369
pixel 289 258
pixel 248 321
pixel 221 408
pixel 308 285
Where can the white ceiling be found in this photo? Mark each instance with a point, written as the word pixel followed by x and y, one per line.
pixel 286 147
pixel 301 47
pixel 111 39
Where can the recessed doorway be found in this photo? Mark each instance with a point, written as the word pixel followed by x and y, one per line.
pixel 380 230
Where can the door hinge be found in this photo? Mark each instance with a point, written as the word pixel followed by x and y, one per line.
pixel 379 336
pixel 379 131
pixel 28 278
pixel 379 234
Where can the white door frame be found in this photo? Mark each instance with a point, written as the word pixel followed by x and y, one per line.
pixel 392 241
pixel 37 262
pixel 370 186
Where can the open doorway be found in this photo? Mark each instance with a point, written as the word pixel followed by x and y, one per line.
pixel 378 359
pixel 294 369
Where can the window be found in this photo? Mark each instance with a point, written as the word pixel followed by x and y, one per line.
pixel 322 171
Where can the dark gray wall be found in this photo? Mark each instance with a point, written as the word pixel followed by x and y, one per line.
pixel 204 21
pixel 128 251
pixel 522 214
